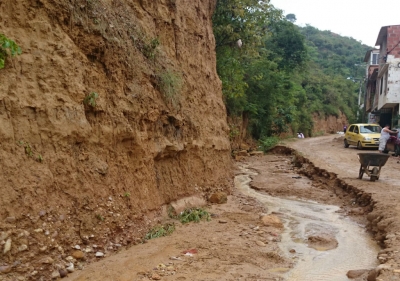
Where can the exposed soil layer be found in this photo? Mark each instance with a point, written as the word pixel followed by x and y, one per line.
pixel 93 140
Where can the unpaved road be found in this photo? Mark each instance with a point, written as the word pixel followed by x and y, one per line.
pixel 237 245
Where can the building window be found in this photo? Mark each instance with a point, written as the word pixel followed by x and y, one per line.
pixel 375 59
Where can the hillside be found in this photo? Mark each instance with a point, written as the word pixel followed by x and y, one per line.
pixel 113 110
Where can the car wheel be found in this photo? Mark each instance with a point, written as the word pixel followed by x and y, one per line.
pixel 359 146
pixel 346 144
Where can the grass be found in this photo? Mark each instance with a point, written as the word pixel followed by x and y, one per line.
pixel 160 231
pixel 193 215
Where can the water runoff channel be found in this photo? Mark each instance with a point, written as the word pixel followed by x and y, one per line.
pixel 355 250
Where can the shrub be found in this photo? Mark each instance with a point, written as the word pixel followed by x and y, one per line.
pixel 90 99
pixel 7 47
pixel 267 143
pixel 160 231
pixel 169 84
pixel 194 214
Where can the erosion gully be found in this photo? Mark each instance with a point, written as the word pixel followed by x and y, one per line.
pixel 344 244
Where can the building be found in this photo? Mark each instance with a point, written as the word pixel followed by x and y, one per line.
pixel 382 97
pixel 372 61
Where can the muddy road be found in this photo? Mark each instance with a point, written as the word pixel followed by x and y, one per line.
pixel 245 239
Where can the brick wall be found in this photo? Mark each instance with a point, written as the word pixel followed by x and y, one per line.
pixel 393 40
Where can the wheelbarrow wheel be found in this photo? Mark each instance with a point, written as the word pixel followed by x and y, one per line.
pixel 374 174
pixel 361 172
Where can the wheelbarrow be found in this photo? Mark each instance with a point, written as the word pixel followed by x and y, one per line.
pixel 371 164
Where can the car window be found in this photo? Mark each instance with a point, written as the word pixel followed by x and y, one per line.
pixel 355 129
pixel 369 129
pixel 351 128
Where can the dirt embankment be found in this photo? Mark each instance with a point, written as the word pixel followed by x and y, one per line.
pixel 113 109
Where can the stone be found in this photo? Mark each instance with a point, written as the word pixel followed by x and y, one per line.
pixel 244 146
pixel 218 197
pixel 242 153
pixel 7 246
pixel 356 273
pixel 256 153
pixel 22 248
pixel 78 255
pixel 261 244
pixel 47 260
pixel 272 220
pixel 71 267
pixel 5 269
pixel 63 273
pixel 155 276
pixel 77 247
pixel 99 254
pixel 223 221
pixel 10 219
pixel 372 274
pixel 292 251
pixel 55 274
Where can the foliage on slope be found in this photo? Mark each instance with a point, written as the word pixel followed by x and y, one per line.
pixel 278 74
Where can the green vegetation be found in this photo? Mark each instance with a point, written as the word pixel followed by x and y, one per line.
pixel 193 215
pixel 267 143
pixel 169 84
pixel 7 48
pixel 90 99
pixel 99 217
pixel 281 76
pixel 29 151
pixel 160 231
pixel 148 46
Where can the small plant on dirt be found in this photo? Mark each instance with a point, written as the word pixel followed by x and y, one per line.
pixel 7 47
pixel 127 194
pixel 99 217
pixel 169 84
pixel 160 231
pixel 29 151
pixel 90 99
pixel 148 46
pixel 267 143
pixel 193 214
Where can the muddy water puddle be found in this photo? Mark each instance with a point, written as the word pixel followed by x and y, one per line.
pixel 346 245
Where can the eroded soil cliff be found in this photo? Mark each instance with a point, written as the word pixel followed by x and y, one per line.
pixel 113 110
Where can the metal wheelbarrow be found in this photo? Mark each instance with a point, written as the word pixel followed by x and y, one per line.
pixel 371 164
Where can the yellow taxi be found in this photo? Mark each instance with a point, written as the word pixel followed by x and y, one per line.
pixel 362 135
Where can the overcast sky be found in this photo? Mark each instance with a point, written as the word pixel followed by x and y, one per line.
pixel 360 19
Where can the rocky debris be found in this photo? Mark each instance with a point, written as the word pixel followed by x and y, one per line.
pixel 272 220
pixel 63 273
pixel 242 153
pixel 256 153
pixel 99 254
pixel 78 255
pixel 322 242
pixel 356 273
pixel 218 197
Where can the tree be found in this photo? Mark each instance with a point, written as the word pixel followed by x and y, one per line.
pixel 291 18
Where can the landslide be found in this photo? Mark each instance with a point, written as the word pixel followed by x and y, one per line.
pixel 83 177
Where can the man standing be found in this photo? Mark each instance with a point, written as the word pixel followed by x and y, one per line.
pixel 385 135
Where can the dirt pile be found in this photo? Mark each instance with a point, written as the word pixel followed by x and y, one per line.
pixel 113 109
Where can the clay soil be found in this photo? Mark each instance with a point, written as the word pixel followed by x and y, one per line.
pixel 237 245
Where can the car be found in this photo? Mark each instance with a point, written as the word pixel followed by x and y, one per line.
pixel 393 143
pixel 362 135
